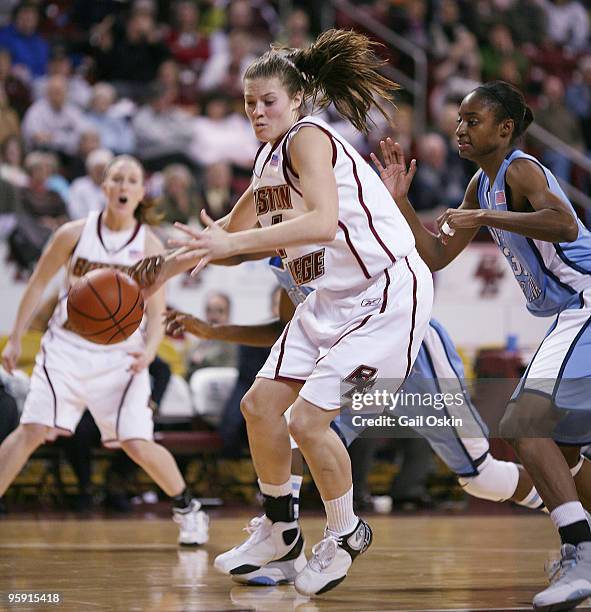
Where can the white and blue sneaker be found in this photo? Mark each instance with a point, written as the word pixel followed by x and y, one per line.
pixel 193 524
pixel 268 542
pixel 277 572
pixel 331 559
pixel 570 580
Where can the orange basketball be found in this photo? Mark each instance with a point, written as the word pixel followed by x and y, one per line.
pixel 105 306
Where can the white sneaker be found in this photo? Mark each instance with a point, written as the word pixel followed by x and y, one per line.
pixel 276 572
pixel 570 580
pixel 193 524
pixel 331 559
pixel 267 542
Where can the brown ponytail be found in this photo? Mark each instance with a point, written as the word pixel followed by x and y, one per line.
pixel 340 67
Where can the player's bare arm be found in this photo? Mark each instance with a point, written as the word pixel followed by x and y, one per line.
pixel 155 307
pixel 538 213
pixel 54 256
pixel 263 335
pixel 436 250
pixel 152 272
pixel 311 155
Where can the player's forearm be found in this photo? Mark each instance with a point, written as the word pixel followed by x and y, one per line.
pixel 313 226
pixel 249 335
pixel 548 224
pixel 27 307
pixel 428 245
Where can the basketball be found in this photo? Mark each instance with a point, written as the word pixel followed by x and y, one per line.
pixel 105 306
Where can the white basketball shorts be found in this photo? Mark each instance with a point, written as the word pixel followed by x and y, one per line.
pixel 377 328
pixel 68 379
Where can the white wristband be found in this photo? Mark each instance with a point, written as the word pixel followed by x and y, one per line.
pixel 447 230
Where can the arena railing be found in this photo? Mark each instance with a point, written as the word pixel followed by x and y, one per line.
pixel 417 86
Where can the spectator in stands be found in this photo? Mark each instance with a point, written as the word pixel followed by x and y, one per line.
pixel 411 22
pixel 203 353
pixel 52 122
pixel 129 57
pixel 446 30
pixel 568 23
pixel 458 74
pixel 79 91
pixel 116 132
pixel 11 162
pixel 179 200
pixel 86 194
pixel 222 135
pixel 43 204
pixel 296 33
pixel 29 51
pixel 578 98
pixel 41 211
pixel 188 47
pixel 89 141
pixel 17 91
pixel 224 70
pixel 182 85
pixel 258 17
pixel 9 121
pixel 554 115
pixel 163 132
pixel 217 193
pixel 499 47
pixel 432 186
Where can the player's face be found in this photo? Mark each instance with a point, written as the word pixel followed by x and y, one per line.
pixel 269 108
pixel 124 187
pixel 478 132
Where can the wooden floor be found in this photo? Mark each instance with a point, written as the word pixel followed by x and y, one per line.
pixel 421 563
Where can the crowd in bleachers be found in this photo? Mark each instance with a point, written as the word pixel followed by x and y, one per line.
pixel 81 81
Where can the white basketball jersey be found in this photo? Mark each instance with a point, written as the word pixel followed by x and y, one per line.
pixel 98 247
pixel 372 232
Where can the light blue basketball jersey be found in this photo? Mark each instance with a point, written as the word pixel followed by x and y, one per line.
pixel 551 275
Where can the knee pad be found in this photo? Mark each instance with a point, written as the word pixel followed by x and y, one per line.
pixel 496 480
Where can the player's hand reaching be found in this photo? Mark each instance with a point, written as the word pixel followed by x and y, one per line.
pixel 147 270
pixel 141 360
pixel 10 355
pixel 178 322
pixel 210 244
pixel 393 172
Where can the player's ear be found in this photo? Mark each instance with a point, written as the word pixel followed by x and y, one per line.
pixel 507 126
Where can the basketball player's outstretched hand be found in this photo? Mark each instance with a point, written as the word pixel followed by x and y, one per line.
pixel 178 322
pixel 393 171
pixel 210 244
pixel 146 270
pixel 10 355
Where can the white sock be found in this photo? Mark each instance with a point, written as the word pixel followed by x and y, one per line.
pixel 340 518
pixel 567 514
pixel 532 500
pixel 296 485
pixel 275 490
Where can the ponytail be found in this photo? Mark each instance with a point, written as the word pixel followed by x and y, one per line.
pixel 339 68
